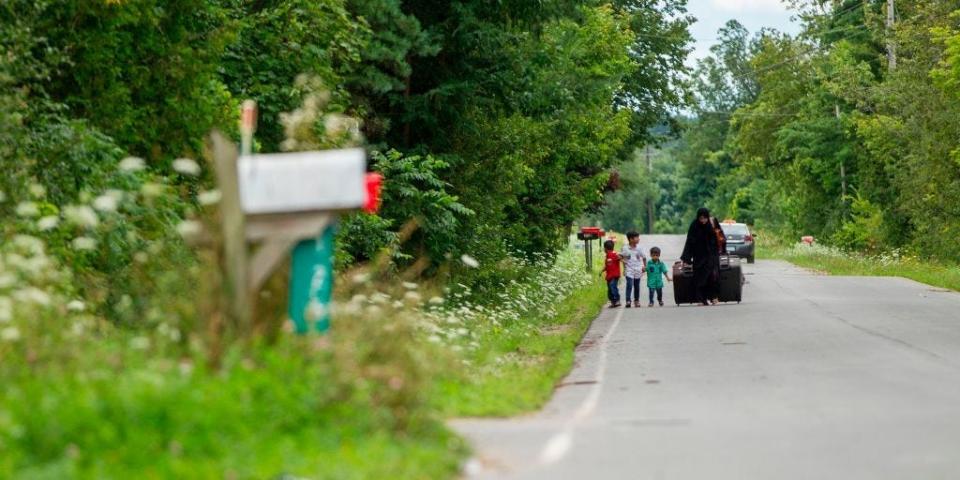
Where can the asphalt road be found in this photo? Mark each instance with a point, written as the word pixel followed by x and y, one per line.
pixel 811 377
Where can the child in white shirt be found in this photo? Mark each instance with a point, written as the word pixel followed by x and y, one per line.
pixel 634 264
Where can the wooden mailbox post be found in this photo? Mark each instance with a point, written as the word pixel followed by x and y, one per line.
pixel 588 235
pixel 278 203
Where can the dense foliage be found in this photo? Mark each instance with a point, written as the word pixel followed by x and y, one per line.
pixel 495 124
pixel 820 134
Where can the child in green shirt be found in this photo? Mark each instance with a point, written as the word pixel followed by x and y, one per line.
pixel 656 270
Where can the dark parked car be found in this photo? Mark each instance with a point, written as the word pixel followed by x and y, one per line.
pixel 739 239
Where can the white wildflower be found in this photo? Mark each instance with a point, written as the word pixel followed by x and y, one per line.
pixel 37 191
pixel 32 295
pixel 412 296
pixel 434 339
pixel 315 310
pixel 84 243
pixel 76 306
pixel 189 229
pixel 358 298
pixel 6 309
pixel 410 285
pixel 81 216
pixel 27 243
pixel 361 278
pixel 132 164
pixel 210 197
pixel 436 301
pixel 397 304
pixel 10 334
pixel 48 223
pixel 7 280
pixel 151 190
pixel 335 124
pixel 469 261
pixel 105 203
pixel 139 343
pixel 186 166
pixel 118 195
pixel 27 209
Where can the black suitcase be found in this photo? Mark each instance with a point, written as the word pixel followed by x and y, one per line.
pixel 731 281
pixel 683 288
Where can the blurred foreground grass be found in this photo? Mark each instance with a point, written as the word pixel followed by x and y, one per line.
pixel 83 398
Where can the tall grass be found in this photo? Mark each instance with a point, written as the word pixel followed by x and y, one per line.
pixel 836 261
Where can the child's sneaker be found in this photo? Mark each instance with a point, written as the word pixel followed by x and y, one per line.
pixel 628 304
pixel 661 303
pixel 636 303
pixel 651 304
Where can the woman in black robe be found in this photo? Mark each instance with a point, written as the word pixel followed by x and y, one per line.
pixel 700 250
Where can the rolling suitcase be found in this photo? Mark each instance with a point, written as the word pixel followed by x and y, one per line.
pixel 730 286
pixel 731 279
pixel 683 289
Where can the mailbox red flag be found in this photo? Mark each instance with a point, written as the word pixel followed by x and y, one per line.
pixel 374 186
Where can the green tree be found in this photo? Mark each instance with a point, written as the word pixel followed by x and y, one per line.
pixel 143 72
pixel 278 41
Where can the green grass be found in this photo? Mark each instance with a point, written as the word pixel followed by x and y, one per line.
pixel 367 402
pixel 517 367
pixel 262 417
pixel 836 262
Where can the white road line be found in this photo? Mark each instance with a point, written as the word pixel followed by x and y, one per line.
pixel 561 443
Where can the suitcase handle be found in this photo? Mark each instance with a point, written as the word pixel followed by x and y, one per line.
pixel 685 270
pixel 724 262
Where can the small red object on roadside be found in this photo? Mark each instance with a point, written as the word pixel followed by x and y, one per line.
pixel 374 187
pixel 808 239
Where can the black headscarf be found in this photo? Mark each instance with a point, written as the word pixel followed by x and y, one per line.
pixel 700 248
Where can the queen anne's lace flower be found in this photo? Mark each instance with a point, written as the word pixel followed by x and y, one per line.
pixel 105 203
pixel 10 334
pixel 81 216
pixel 48 223
pixel 210 197
pixel 132 164
pixel 84 243
pixel 469 261
pixel 186 166
pixel 27 209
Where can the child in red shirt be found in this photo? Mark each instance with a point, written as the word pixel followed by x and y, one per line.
pixel 611 271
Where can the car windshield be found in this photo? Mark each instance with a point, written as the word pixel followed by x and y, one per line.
pixel 735 229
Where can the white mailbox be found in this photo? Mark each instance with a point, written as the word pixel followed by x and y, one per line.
pixel 285 183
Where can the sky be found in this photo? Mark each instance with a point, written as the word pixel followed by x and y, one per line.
pixel 753 14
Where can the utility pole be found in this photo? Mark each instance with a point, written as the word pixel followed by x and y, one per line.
pixel 650 196
pixel 891 45
pixel 843 170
